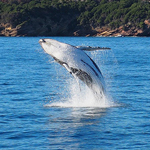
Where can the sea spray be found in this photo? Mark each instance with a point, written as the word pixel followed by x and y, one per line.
pixel 80 97
pixel 84 97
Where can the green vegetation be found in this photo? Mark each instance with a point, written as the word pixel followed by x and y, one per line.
pixel 94 13
pixel 16 12
pixel 116 13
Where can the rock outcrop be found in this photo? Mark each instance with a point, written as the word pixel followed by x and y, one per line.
pixel 68 27
pixel 65 26
pixel 125 30
pixel 7 30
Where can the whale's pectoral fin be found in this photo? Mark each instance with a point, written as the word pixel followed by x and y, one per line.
pixel 82 75
pixel 67 67
pixel 89 48
pixel 71 72
pixel 78 73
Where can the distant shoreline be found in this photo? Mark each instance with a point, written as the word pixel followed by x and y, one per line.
pixel 75 18
pixel 27 30
pixel 78 36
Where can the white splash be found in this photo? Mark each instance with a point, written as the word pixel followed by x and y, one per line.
pixel 81 97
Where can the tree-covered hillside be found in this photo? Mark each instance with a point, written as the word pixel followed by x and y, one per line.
pixel 117 13
pixel 73 17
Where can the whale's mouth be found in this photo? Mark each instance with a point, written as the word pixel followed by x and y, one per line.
pixel 42 41
pixel 46 42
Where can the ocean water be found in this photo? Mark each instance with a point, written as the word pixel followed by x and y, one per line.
pixel 42 106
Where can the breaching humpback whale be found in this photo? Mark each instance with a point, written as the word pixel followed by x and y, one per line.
pixel 78 63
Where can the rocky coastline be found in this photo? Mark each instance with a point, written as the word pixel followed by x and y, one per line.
pixel 74 18
pixel 62 29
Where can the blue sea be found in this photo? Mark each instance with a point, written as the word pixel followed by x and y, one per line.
pixel 43 108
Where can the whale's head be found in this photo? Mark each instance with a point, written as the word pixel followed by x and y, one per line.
pixel 53 47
